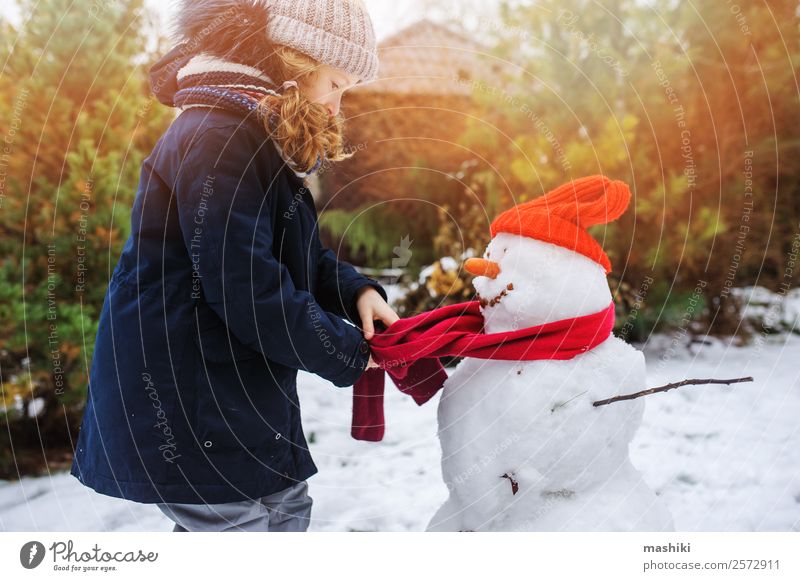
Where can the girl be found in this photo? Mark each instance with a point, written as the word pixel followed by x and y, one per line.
pixel 223 290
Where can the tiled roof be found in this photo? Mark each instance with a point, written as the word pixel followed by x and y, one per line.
pixel 431 58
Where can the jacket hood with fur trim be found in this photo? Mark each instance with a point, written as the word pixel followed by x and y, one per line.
pixel 233 30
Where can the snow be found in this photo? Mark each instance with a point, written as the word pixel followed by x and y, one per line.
pixel 394 292
pixel 727 458
pixel 723 459
pixel 536 423
pixel 35 407
pixel 764 309
pixel 446 263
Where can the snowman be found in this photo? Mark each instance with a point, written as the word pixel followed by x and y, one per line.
pixel 523 448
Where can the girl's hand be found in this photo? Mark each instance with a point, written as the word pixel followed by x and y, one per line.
pixel 372 307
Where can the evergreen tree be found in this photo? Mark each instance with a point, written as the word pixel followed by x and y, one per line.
pixel 79 124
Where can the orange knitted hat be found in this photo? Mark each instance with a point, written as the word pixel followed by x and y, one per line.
pixel 562 215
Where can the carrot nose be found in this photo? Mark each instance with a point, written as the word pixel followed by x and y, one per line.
pixel 482 267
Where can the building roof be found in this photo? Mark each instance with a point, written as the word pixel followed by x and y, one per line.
pixel 431 58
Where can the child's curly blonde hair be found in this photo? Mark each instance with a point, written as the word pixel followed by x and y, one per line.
pixel 305 130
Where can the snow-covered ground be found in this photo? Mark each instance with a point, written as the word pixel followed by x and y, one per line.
pixel 724 458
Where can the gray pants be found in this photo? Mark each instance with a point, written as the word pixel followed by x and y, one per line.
pixel 285 511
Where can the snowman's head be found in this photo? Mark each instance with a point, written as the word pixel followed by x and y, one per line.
pixel 522 282
pixel 542 264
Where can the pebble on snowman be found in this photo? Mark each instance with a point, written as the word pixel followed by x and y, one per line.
pixel 529 442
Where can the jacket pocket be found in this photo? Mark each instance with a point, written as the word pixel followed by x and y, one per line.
pixel 225 422
pixel 235 404
pixel 215 341
pixel 153 292
pixel 233 407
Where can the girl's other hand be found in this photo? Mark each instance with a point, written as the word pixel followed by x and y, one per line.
pixel 372 307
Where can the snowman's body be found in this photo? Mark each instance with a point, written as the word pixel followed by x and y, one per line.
pixel 531 425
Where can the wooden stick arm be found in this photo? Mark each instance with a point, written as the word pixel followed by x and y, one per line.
pixel 671 386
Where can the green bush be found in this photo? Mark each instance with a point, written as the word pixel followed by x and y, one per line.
pixel 80 123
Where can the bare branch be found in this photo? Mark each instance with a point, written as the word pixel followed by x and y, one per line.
pixel 672 386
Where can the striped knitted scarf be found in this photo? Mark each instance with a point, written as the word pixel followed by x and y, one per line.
pixel 208 81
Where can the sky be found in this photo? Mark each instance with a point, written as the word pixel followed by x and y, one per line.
pixel 388 15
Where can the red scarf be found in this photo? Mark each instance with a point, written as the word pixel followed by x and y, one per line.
pixel 409 352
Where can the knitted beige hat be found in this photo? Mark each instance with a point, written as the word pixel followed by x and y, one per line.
pixel 338 33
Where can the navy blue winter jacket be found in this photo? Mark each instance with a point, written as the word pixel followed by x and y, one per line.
pixel 223 291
